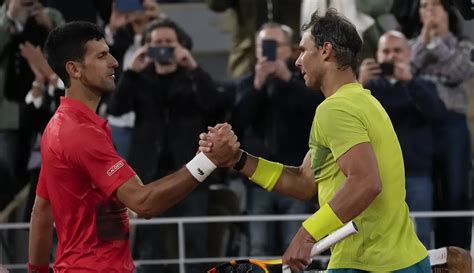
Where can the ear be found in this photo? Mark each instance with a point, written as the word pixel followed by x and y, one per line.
pixel 73 69
pixel 326 51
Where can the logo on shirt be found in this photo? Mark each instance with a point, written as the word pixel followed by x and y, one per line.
pixel 200 171
pixel 115 168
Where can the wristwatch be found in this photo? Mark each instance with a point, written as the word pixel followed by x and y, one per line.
pixel 241 162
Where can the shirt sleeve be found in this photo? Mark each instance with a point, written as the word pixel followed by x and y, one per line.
pixel 340 128
pixel 41 189
pixel 96 156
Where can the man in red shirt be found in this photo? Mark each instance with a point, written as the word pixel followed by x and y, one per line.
pixel 85 187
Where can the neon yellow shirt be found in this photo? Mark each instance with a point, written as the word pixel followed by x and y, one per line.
pixel 386 240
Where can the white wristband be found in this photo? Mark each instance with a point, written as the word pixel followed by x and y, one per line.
pixel 200 167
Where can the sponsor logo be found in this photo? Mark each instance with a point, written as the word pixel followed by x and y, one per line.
pixel 200 172
pixel 115 168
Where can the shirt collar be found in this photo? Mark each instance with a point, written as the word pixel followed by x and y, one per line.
pixel 81 107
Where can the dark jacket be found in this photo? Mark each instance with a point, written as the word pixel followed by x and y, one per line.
pixel 413 108
pixel 275 122
pixel 171 112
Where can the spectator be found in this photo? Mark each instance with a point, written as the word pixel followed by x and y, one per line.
pixel 124 35
pixel 174 100
pixel 273 115
pixel 370 17
pixel 247 17
pixel 21 22
pixel 413 106
pixel 441 55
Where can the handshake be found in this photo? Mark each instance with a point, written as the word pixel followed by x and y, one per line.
pixel 220 145
pixel 217 148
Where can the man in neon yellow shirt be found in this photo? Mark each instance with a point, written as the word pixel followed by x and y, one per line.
pixel 354 164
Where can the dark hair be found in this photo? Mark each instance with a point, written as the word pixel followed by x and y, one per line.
pixel 68 43
pixel 340 32
pixel 453 19
pixel 183 37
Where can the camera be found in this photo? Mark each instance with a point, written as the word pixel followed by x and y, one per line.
pixel 269 49
pixel 162 54
pixel 387 69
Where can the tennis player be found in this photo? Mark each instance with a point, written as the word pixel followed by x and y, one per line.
pixel 354 163
pixel 85 187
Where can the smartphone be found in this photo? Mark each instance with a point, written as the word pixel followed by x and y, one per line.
pixel 161 54
pixel 387 69
pixel 269 49
pixel 128 5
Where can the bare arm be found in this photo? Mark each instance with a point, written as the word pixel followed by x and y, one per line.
pixel 154 198
pixel 362 184
pixel 297 182
pixel 41 232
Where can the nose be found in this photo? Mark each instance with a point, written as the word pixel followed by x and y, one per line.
pixel 114 62
pixel 298 61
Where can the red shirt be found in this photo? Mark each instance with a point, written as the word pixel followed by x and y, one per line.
pixel 80 172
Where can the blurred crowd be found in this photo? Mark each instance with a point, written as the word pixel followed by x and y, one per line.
pixel 415 60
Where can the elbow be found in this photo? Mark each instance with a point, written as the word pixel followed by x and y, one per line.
pixel 145 211
pixel 374 188
pixel 148 211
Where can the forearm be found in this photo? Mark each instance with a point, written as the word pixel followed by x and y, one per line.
pixel 292 181
pixel 166 192
pixel 40 238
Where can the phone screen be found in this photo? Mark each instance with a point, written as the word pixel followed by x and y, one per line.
pixel 387 69
pixel 269 49
pixel 161 54
pixel 128 5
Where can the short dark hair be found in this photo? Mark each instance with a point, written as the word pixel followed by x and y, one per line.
pixel 68 43
pixel 340 32
pixel 183 38
pixel 287 31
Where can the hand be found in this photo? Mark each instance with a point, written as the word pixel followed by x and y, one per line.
pixel 117 19
pixel 263 69
pixel 282 71
pixel 429 29
pixel 402 72
pixel 35 58
pixel 369 70
pixel 184 58
pixel 41 17
pixel 297 255
pixel 220 145
pixel 205 143
pixel 140 59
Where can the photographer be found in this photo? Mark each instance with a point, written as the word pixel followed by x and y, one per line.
pixel 174 101
pixel 413 106
pixel 273 116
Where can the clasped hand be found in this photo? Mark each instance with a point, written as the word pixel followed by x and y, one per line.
pixel 220 145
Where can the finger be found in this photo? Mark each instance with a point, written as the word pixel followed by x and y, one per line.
pixel 204 149
pixel 212 130
pixel 205 143
pixel 226 127
pixel 204 136
pixel 375 71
